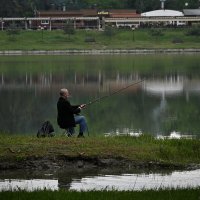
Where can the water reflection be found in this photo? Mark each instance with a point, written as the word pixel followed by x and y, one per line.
pixel 176 135
pixel 124 132
pixel 163 88
pixel 167 101
pixel 28 185
pixel 149 107
pixel 125 182
pixel 168 86
pixel 91 181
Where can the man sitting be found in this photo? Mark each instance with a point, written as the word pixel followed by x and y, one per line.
pixel 68 117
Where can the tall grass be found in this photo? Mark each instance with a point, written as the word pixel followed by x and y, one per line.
pixel 179 194
pixel 144 148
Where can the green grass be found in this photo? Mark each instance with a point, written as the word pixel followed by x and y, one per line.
pixel 179 194
pixel 144 149
pixel 123 39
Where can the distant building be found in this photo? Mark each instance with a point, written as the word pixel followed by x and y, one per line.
pixel 82 19
pixel 163 13
pixel 99 19
pixel 122 13
pixel 122 18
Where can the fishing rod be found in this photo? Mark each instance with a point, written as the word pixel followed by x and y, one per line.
pixel 113 93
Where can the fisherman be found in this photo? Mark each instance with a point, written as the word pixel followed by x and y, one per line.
pixel 68 115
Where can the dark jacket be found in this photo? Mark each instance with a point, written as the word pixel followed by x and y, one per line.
pixel 66 113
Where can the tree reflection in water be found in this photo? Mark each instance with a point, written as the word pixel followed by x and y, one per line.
pixel 29 89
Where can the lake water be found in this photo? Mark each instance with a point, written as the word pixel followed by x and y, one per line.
pixel 166 103
pixel 167 100
pixel 80 180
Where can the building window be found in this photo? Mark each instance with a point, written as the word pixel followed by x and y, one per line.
pixel 44 22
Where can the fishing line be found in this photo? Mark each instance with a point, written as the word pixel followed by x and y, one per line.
pixel 113 93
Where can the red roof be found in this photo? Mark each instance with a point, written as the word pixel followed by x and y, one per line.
pixel 114 13
pixel 89 12
pixel 122 11
pixel 74 13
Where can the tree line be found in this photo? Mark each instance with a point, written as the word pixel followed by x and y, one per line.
pixel 28 8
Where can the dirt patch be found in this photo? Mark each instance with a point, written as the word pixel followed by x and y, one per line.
pixel 59 162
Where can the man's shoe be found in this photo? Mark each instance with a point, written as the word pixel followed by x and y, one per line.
pixel 80 135
pixel 67 134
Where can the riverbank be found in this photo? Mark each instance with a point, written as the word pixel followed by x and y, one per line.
pixel 117 41
pixel 29 152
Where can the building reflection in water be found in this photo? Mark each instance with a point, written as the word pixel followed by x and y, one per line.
pixel 88 86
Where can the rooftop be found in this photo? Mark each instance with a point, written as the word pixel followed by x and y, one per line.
pixel 162 13
pixel 191 12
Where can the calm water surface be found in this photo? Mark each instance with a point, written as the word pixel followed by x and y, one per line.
pixel 168 100
pixel 80 180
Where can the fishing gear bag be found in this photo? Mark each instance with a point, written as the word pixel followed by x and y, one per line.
pixel 46 130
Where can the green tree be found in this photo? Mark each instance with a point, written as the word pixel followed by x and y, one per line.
pixel 23 8
pixel 16 8
pixel 12 31
pixel 180 4
pixel 69 28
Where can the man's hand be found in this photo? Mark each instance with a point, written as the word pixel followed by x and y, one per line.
pixel 82 106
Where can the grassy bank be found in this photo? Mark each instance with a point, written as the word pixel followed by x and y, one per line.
pixel 142 149
pixel 179 194
pixel 82 39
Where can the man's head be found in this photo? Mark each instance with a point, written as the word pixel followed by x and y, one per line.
pixel 64 93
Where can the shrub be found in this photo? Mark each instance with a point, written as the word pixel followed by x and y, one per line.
pixel 13 29
pixel 156 32
pixel 90 39
pixel 194 31
pixel 177 40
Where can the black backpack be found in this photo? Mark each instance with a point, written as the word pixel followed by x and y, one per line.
pixel 46 130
